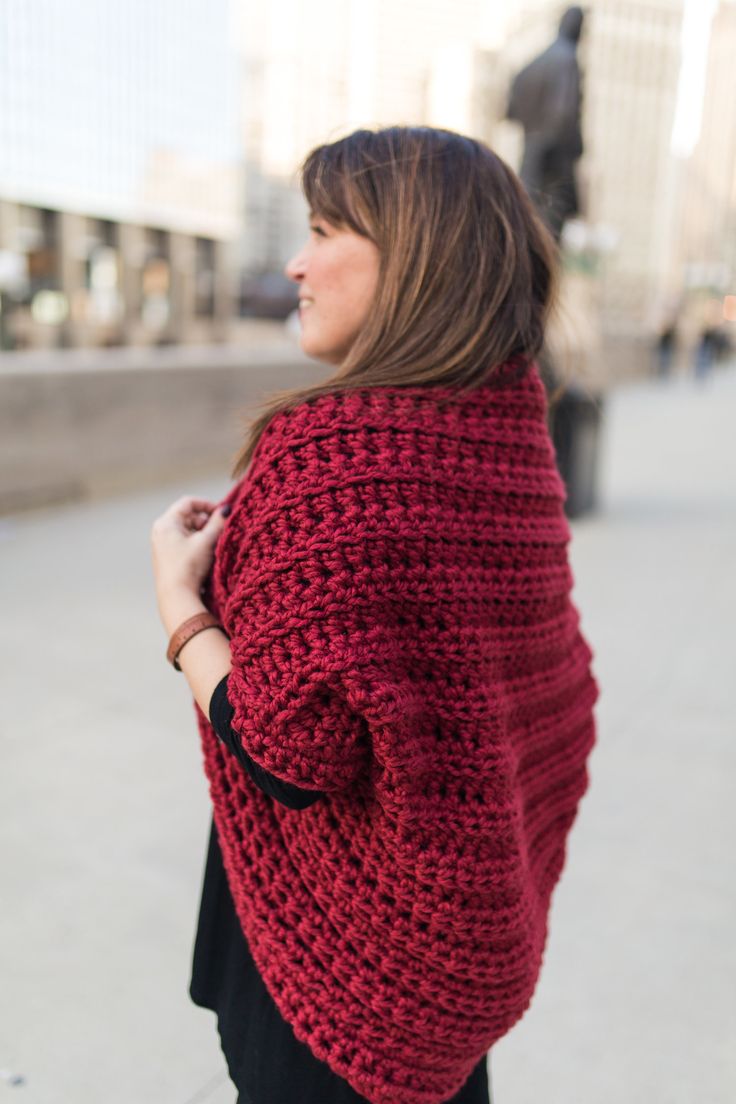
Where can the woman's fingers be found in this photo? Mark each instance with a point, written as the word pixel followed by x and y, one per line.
pixel 187 515
pixel 189 512
pixel 213 527
pixel 200 519
pixel 190 505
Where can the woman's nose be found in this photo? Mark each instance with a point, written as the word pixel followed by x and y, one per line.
pixel 295 267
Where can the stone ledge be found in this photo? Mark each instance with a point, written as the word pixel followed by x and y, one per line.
pixel 77 431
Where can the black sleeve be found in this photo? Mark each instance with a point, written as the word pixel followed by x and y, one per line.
pixel 221 715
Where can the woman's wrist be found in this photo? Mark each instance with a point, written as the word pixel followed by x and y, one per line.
pixel 176 604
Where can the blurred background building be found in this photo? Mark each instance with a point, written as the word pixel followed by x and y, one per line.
pixel 703 268
pixel 119 176
pixel 314 71
pixel 148 186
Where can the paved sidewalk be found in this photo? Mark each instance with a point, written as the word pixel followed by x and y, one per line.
pixel 104 809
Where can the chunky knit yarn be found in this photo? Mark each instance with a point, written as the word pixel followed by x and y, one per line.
pixel 395 583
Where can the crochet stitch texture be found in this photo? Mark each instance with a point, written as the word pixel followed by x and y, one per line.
pixel 395 582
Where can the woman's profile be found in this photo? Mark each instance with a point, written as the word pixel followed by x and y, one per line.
pixel 393 695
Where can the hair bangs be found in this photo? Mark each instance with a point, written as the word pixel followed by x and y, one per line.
pixel 330 189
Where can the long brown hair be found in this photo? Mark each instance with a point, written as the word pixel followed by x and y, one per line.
pixel 467 269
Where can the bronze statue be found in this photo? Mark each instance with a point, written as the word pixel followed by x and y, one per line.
pixel 546 99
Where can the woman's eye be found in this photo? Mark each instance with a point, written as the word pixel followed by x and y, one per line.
pixel 317 230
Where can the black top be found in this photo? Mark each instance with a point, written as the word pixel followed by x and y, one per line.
pixel 266 1061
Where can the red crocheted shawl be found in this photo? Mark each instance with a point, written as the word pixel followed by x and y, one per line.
pixel 395 582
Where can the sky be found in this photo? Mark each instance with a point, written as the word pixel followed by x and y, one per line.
pixel 88 90
pixel 691 88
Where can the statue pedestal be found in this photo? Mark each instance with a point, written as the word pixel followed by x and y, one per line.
pixel 577 382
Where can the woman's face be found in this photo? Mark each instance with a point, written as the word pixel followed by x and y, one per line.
pixel 337 273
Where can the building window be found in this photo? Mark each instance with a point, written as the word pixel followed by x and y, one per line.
pixel 156 282
pixel 39 235
pixel 204 278
pixel 102 274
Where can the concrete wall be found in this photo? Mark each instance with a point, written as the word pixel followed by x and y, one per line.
pixel 77 425
pixel 83 423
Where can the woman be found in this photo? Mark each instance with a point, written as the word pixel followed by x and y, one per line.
pixel 394 699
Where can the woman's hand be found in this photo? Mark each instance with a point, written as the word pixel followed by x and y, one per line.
pixel 183 542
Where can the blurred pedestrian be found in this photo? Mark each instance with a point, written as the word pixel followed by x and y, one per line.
pixel 393 695
pixel 666 348
pixel 705 352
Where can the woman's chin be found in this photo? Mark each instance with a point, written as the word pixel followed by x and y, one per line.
pixel 307 344
pixel 317 351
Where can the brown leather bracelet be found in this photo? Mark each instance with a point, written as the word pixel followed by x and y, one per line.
pixel 186 631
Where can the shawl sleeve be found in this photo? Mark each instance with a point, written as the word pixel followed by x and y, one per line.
pixel 221 713
pixel 296 687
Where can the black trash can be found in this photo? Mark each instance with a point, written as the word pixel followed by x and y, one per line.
pixel 575 423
